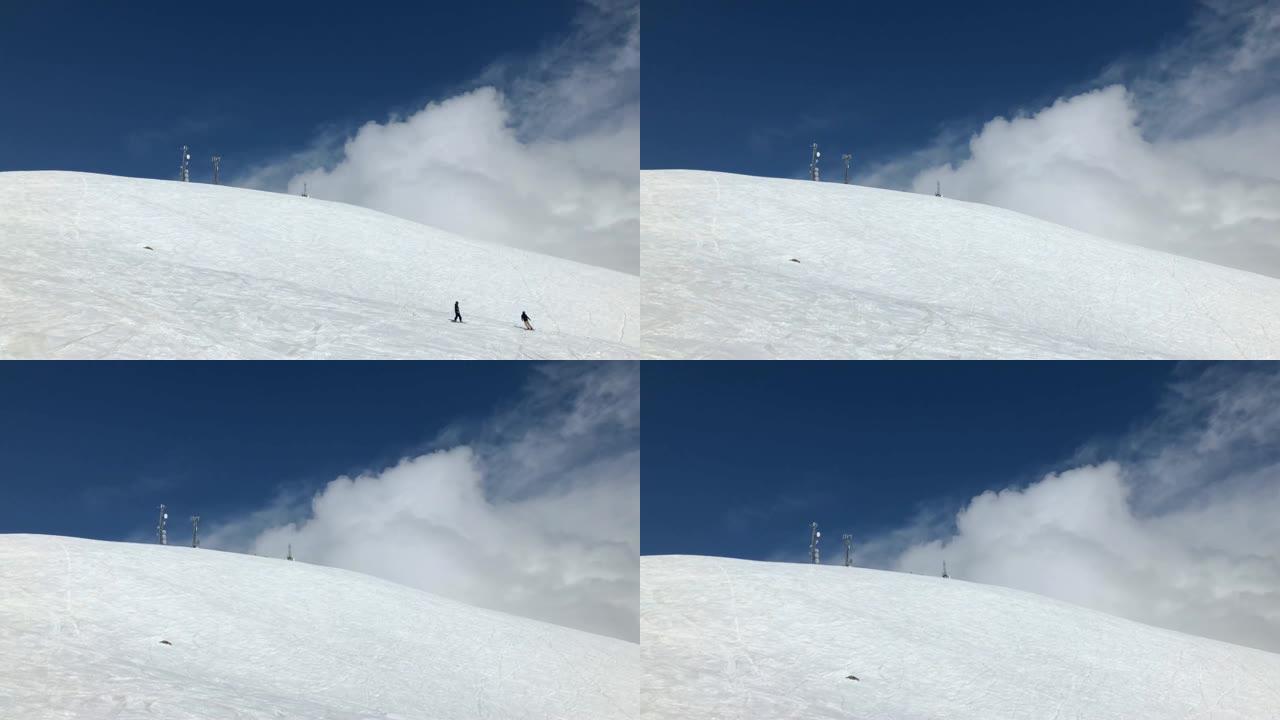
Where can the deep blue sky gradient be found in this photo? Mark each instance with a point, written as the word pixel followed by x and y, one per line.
pixel 91 448
pixel 740 457
pixel 120 87
pixel 747 86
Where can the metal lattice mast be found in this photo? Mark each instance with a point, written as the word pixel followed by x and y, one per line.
pixel 944 569
pixel 290 555
pixel 814 537
pixel 814 156
pixel 847 159
pixel 161 534
pixel 195 531
pixel 185 172
pixel 217 164
pixel 939 192
pixel 848 550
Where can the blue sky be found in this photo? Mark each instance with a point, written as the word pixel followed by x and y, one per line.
pixel 1147 489
pixel 528 113
pixel 397 470
pixel 740 457
pixel 91 448
pixel 118 88
pixel 746 87
pixel 1139 122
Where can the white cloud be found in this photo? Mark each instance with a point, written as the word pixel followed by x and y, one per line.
pixel 1175 153
pixel 535 511
pixel 542 153
pixel 1174 525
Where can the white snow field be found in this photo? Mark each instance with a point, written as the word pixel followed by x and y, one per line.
pixel 748 640
pixel 885 274
pixel 234 273
pixel 82 624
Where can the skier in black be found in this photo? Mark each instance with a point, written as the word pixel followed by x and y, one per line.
pixel 457 314
pixel 525 317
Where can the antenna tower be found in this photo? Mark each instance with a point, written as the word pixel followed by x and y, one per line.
pixel 944 569
pixel 939 192
pixel 186 164
pixel 217 163
pixel 847 159
pixel 848 550
pixel 814 537
pixel 195 531
pixel 161 534
pixel 814 156
pixel 290 555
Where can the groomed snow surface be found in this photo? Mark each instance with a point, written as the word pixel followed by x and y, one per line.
pixel 97 266
pixel 747 640
pixel 748 267
pixel 82 624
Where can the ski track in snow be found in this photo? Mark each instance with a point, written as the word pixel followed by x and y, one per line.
pixel 886 274
pixel 81 623
pixel 923 648
pixel 236 273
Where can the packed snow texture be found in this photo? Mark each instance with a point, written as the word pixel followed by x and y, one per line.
pixel 92 629
pixel 747 267
pixel 748 640
pixel 97 266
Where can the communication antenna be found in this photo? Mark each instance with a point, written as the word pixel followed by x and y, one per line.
pixel 813 162
pixel 848 550
pixel 847 159
pixel 290 556
pixel 186 164
pixel 195 531
pixel 939 192
pixel 161 535
pixel 944 569
pixel 304 190
pixel 814 537
pixel 217 162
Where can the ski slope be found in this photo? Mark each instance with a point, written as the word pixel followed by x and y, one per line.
pixel 884 274
pixel 747 640
pixel 234 273
pixel 82 624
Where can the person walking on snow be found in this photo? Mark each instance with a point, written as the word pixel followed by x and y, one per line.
pixel 457 314
pixel 525 317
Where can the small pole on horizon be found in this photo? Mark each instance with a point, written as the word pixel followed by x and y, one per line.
pixel 185 170
pixel 195 531
pixel 217 163
pixel 848 550
pixel 814 537
pixel 939 192
pixel 944 569
pixel 847 159
pixel 814 156
pixel 290 555
pixel 161 535
pixel 304 191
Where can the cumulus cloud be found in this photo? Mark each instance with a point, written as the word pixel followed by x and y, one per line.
pixel 1175 152
pixel 1173 525
pixel 541 153
pixel 534 511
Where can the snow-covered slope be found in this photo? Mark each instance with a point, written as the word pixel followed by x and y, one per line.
pixel 725 638
pixel 82 624
pixel 883 274
pixel 235 273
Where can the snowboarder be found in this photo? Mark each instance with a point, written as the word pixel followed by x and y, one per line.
pixel 457 314
pixel 525 317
